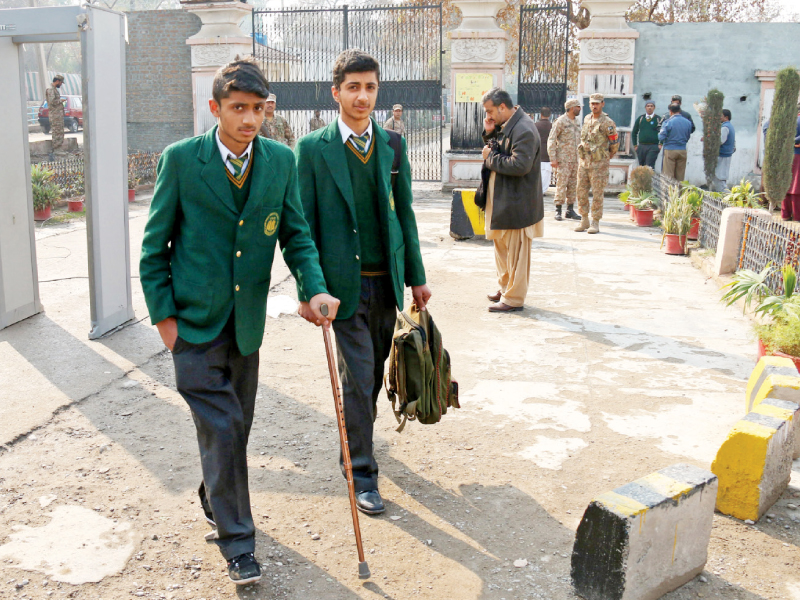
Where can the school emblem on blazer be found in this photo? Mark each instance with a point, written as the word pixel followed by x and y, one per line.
pixel 271 224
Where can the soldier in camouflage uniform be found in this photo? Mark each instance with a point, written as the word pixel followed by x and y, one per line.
pixel 275 127
pixel 55 106
pixel 599 143
pixel 562 146
pixel 395 122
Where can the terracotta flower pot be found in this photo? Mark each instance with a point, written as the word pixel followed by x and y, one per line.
pixel 633 212
pixel 762 351
pixel 75 205
pixel 694 230
pixel 644 217
pixel 131 195
pixel 42 215
pixel 674 243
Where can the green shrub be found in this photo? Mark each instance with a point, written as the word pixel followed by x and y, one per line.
pixel 743 195
pixel 779 147
pixel 45 191
pixel 641 180
pixel 712 125
pixel 781 336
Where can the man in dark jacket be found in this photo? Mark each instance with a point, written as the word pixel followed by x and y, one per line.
pixel 676 99
pixel 514 206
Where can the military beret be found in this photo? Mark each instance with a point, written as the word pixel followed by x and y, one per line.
pixel 596 98
pixel 571 103
pixel 272 98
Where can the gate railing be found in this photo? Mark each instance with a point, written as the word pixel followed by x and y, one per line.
pixel 68 172
pixel 297 48
pixel 766 241
pixel 543 56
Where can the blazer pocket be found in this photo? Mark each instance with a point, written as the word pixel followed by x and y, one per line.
pixel 193 300
pixel 269 225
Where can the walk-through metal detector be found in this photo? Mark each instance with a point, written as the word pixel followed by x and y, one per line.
pixel 102 34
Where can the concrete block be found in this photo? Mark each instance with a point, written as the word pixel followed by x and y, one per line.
pixel 645 538
pixel 754 464
pixel 730 234
pixel 766 379
pixel 466 219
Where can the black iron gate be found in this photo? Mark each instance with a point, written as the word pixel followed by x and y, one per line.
pixel 544 55
pixel 297 48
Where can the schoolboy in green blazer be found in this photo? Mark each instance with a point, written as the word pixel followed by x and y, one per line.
pixel 222 201
pixel 366 235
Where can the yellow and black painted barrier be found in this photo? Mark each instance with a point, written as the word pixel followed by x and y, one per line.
pixel 773 377
pixel 645 538
pixel 466 219
pixel 754 464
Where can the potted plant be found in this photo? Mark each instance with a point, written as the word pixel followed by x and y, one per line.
pixel 676 221
pixel 45 192
pixel 639 182
pixel 623 197
pixel 644 206
pixel 132 181
pixel 694 197
pixel 779 332
pixel 75 204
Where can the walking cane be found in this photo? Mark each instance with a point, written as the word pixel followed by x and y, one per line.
pixel 363 568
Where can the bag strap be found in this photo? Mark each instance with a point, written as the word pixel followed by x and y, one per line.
pixel 395 142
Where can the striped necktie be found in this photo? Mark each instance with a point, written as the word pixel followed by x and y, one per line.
pixel 237 164
pixel 360 142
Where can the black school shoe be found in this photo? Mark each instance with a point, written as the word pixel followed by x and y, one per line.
pixel 244 569
pixel 370 502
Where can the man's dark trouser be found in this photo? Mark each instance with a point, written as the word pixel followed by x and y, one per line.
pixel 647 154
pixel 219 385
pixel 363 343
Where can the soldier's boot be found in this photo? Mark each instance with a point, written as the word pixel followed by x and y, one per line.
pixel 595 227
pixel 571 214
pixel 584 224
pixel 558 213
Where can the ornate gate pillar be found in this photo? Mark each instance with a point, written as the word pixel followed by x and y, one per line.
pixel 478 59
pixel 218 42
pixel 607 49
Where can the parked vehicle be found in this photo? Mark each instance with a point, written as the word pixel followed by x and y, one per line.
pixel 73 114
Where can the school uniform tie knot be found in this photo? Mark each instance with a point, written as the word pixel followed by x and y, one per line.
pixel 237 164
pixel 360 142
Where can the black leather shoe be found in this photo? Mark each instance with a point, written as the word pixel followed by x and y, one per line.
pixel 244 569
pixel 370 502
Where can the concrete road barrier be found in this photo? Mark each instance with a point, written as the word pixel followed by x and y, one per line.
pixel 647 537
pixel 754 464
pixel 466 219
pixel 773 377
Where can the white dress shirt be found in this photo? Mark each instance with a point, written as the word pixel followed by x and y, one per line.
pixel 226 153
pixel 347 132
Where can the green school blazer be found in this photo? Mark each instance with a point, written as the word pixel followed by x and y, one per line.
pixel 201 258
pixel 329 207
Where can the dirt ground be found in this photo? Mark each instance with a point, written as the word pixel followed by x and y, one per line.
pixel 622 363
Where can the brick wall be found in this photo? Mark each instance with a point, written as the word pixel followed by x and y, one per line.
pixel 159 78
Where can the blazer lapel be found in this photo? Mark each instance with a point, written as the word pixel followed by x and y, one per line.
pixel 263 173
pixel 334 154
pixel 213 172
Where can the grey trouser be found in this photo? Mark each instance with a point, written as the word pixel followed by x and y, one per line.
pixel 219 385
pixel 363 343
pixel 647 154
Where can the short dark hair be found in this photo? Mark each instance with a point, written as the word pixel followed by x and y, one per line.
pixel 545 112
pixel 354 61
pixel 726 113
pixel 241 75
pixel 675 108
pixel 498 96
